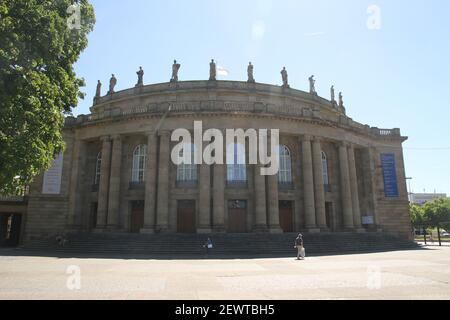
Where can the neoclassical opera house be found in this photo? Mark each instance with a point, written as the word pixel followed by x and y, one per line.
pixel 116 174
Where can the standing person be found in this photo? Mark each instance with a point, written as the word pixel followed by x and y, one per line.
pixel 299 247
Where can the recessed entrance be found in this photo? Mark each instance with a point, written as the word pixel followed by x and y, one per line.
pixel 186 216
pixel 329 215
pixel 237 216
pixel 137 216
pixel 286 216
pixel 10 229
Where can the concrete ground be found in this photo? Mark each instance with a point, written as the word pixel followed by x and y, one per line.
pixel 416 274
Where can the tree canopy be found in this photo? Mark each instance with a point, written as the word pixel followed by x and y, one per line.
pixel 435 213
pixel 40 40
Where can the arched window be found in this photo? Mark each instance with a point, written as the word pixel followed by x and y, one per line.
pixel 236 168
pixel 187 173
pixel 139 161
pixel 285 171
pixel 98 167
pixel 326 180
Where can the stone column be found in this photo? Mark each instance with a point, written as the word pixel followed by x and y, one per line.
pixel 204 199
pixel 308 184
pixel 219 198
pixel 260 200
pixel 103 189
pixel 319 188
pixel 76 184
pixel 162 219
pixel 347 209
pixel 114 183
pixel 150 183
pixel 354 188
pixel 273 205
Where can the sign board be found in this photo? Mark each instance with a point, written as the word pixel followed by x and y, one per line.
pixel 53 176
pixel 389 175
pixel 366 220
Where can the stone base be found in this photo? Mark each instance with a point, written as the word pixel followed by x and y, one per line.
pixel 275 230
pixel 204 231
pixel 99 230
pixel 219 229
pixel 313 230
pixel 360 230
pixel 162 229
pixel 260 229
pixel 146 230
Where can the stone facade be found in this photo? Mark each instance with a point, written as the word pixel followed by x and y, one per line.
pixel 351 198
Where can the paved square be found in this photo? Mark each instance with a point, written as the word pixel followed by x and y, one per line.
pixel 417 274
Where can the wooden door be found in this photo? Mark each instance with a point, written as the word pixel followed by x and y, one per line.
pixel 137 216
pixel 186 216
pixel 237 216
pixel 286 216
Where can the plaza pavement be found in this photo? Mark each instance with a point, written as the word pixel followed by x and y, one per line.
pixel 416 274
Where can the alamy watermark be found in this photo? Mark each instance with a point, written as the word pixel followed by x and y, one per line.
pixel 235 141
pixel 74 277
pixel 74 19
pixel 374 19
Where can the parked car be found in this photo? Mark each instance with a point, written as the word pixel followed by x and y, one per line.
pixel 445 234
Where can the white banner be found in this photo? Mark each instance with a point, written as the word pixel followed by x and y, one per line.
pixel 52 177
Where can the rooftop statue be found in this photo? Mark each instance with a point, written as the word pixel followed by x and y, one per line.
pixel 212 71
pixel 251 79
pixel 341 100
pixel 333 95
pixel 140 74
pixel 112 84
pixel 98 91
pixel 284 77
pixel 312 85
pixel 175 68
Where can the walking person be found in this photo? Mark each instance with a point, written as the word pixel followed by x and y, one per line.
pixel 208 245
pixel 299 246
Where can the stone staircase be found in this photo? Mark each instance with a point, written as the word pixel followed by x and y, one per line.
pixel 225 245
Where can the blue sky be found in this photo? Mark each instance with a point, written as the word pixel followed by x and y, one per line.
pixel 394 77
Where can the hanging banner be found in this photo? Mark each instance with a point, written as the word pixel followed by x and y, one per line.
pixel 53 177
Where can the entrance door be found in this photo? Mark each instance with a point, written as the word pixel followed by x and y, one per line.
pixel 329 215
pixel 137 216
pixel 10 225
pixel 93 216
pixel 286 216
pixel 3 228
pixel 186 216
pixel 237 216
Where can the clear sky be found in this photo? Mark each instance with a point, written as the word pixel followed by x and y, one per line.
pixel 397 76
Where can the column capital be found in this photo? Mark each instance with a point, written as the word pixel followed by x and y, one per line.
pixel 344 144
pixel 305 137
pixel 164 133
pixel 151 133
pixel 317 139
pixel 105 138
pixel 116 137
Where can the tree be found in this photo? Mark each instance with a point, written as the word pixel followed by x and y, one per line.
pixel 417 215
pixel 437 212
pixel 38 85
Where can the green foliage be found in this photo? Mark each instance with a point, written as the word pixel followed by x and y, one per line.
pixel 38 84
pixel 417 215
pixel 437 212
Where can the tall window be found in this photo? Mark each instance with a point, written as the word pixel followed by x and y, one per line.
pixel 98 167
pixel 139 161
pixel 285 172
pixel 326 180
pixel 187 173
pixel 236 168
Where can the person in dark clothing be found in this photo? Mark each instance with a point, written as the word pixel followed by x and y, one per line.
pixel 299 246
pixel 208 245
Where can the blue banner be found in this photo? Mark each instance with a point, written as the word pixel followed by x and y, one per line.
pixel 389 175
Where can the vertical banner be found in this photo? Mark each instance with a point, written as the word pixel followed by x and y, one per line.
pixel 389 175
pixel 53 176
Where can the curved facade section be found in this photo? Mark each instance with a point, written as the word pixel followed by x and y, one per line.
pixel 336 175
